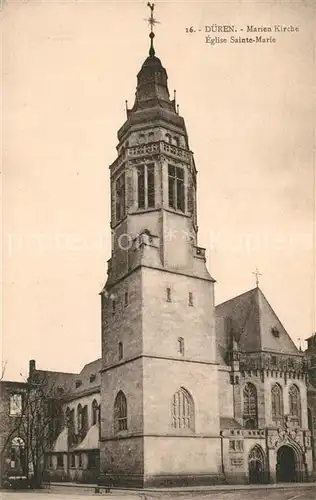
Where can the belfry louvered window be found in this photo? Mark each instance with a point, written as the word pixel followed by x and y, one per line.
pixel 120 198
pixel 176 188
pixel 250 406
pixel 146 186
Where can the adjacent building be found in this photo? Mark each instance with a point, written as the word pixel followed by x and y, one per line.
pixel 12 446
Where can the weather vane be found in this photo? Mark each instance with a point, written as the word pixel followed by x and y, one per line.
pixel 257 274
pixel 151 22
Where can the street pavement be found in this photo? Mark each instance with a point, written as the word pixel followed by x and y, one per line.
pixel 302 492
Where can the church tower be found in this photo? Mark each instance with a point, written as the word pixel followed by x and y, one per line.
pixel 159 400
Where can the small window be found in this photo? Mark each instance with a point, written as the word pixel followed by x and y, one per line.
pixel 92 377
pixel 168 138
pixel 181 346
pixel 15 405
pixel 49 462
pixel 236 445
pixel 60 460
pixel 176 141
pixel 151 136
pixel 275 332
pixel 120 350
pixel 80 460
pixel 168 291
pixel 78 383
pixel 113 306
pixel 126 299
pixel 72 460
pixel 190 299
pixel 60 391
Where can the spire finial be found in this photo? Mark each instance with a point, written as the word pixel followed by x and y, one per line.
pixel 151 22
pixel 257 274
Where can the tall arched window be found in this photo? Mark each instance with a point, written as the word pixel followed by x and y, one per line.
pixel 182 410
pixel 95 412
pixel 250 406
pixel 277 404
pixel 295 405
pixel 84 421
pixel 70 418
pixel 120 412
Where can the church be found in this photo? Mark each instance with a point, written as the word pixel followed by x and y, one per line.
pixel 185 392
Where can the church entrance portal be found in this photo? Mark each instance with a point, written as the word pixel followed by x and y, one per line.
pixel 286 465
pixel 256 465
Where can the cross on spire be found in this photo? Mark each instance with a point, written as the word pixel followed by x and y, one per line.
pixel 257 274
pixel 151 22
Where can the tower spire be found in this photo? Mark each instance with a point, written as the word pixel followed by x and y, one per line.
pixel 151 21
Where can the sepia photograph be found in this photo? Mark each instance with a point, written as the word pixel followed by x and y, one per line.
pixel 158 297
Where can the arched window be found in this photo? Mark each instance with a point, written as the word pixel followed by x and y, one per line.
pixel 70 418
pixel 277 404
pixel 142 138
pixel 295 405
pixel 176 141
pixel 151 136
pixel 168 138
pixel 95 412
pixel 182 410
pixel 120 412
pixel 250 406
pixel 84 421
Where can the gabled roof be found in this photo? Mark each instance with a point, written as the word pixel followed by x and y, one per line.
pixel 253 323
pixel 89 378
pixel 73 385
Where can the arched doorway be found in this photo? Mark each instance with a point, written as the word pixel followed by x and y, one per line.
pixel 256 465
pixel 286 467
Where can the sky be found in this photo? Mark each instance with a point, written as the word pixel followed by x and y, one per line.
pixel 68 67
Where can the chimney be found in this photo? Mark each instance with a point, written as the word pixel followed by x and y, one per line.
pixel 32 367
